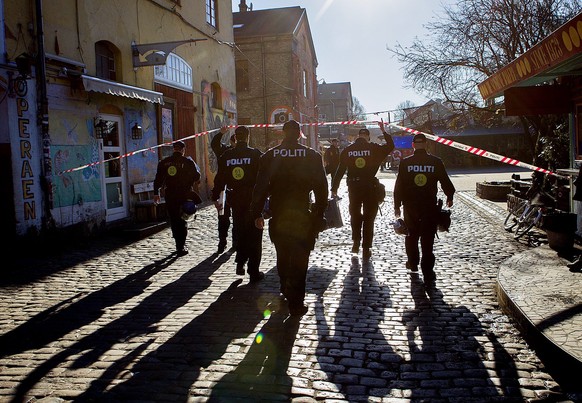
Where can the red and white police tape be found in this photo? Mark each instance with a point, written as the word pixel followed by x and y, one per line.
pixel 476 151
pixel 441 140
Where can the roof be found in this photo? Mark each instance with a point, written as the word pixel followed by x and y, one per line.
pixel 335 90
pixel 559 54
pixel 274 21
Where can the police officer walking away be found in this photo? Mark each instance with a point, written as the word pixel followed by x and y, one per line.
pixel 362 159
pixel 416 190
pixel 288 173
pixel 223 219
pixel 237 171
pixel 331 157
pixel 177 175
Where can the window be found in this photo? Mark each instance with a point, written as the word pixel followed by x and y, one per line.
pixel 211 13
pixel 216 96
pixel 304 79
pixel 242 75
pixel 105 61
pixel 175 73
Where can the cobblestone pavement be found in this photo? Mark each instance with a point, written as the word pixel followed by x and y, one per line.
pixel 130 322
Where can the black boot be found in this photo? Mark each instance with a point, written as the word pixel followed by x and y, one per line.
pixel 576 265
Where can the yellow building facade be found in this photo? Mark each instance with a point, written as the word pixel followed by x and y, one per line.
pixel 110 81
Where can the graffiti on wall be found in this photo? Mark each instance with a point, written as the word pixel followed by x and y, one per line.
pixel 76 187
pixel 25 149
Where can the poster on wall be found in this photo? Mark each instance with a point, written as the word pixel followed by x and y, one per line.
pixel 167 124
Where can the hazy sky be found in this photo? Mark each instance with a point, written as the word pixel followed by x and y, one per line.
pixel 351 36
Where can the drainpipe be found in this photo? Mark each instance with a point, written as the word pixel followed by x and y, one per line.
pixel 265 112
pixel 43 120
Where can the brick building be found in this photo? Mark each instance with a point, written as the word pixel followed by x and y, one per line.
pixel 275 71
pixel 334 103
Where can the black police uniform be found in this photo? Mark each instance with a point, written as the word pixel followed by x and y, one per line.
pixel 416 189
pixel 178 175
pixel 288 174
pixel 331 156
pixel 223 220
pixel 362 159
pixel 237 171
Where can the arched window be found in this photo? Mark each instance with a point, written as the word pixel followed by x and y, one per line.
pixel 175 73
pixel 106 56
pixel 215 96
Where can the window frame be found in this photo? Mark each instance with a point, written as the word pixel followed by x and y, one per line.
pixel 212 13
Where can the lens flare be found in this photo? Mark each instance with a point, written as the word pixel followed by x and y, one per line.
pixel 266 313
pixel 259 338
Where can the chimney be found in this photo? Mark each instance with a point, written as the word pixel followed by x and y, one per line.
pixel 242 7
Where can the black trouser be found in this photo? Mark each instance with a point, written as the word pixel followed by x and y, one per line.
pixel 363 210
pixel 224 225
pixel 178 225
pixel 249 245
pixel 293 241
pixel 421 223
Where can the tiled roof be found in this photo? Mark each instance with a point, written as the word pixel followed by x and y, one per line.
pixel 275 21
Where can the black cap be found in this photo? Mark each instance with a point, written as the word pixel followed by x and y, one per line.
pixel 364 131
pixel 180 145
pixel 419 138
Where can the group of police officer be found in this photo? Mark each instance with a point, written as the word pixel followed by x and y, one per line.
pixel 288 184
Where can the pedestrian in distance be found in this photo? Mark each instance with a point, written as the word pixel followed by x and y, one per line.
pixel 362 159
pixel 288 174
pixel 177 175
pixel 224 215
pixel 331 157
pixel 237 174
pixel 416 190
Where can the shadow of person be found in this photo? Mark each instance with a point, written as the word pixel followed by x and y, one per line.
pixel 139 321
pixel 446 351
pixel 168 372
pixel 358 322
pixel 73 313
pixel 262 374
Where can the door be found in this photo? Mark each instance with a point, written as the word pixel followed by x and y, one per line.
pixel 113 170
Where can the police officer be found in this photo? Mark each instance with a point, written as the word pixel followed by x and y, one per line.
pixel 223 219
pixel 416 190
pixel 177 174
pixel 288 173
pixel 331 157
pixel 237 172
pixel 362 159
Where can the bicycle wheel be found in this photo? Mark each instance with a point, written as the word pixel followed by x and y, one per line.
pixel 513 217
pixel 526 221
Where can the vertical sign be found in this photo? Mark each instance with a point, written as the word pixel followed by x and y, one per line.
pixel 25 148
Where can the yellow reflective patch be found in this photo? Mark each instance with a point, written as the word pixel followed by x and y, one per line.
pixel 420 180
pixel 360 162
pixel 172 170
pixel 238 173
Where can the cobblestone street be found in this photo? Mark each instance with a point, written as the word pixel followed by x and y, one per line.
pixel 130 322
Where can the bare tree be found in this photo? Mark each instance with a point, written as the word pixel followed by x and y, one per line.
pixel 401 109
pixel 358 112
pixel 472 40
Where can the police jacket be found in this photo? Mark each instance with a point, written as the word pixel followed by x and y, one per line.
pixel 288 173
pixel 416 183
pixel 178 175
pixel 361 159
pixel 331 159
pixel 237 171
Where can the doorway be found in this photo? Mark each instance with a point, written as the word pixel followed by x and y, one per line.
pixel 114 168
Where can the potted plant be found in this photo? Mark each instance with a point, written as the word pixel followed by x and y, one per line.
pixel 560 228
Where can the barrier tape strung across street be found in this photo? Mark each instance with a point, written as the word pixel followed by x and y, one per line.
pixel 441 140
pixel 477 151
pixel 265 125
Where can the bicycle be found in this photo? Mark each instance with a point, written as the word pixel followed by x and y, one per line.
pixel 514 214
pixel 532 213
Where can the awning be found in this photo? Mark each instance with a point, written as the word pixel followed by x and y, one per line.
pixel 122 90
pixel 559 54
